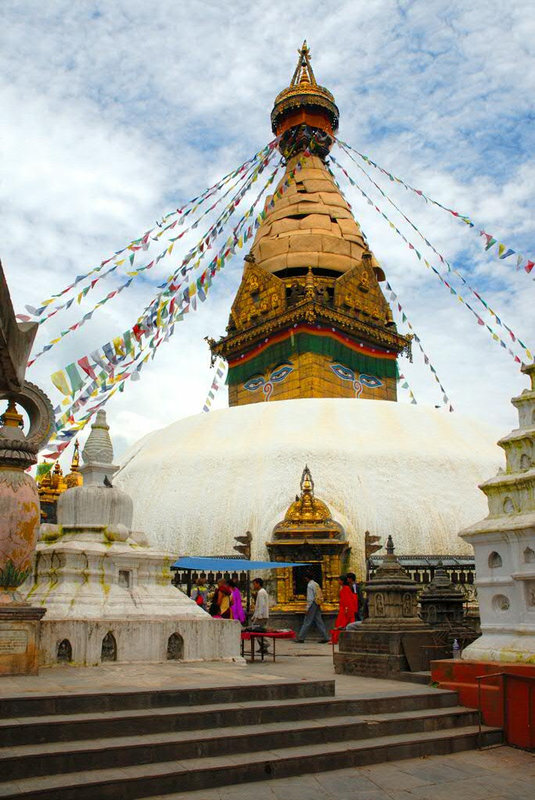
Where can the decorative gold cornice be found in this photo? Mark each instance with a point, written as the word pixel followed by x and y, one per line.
pixel 312 311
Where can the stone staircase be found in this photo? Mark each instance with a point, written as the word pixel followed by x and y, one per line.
pixel 133 744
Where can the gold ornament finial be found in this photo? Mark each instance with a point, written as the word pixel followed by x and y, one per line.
pixel 11 417
pixel 75 463
pixel 303 71
pixel 74 478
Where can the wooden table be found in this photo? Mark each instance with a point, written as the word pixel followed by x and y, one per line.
pixel 262 635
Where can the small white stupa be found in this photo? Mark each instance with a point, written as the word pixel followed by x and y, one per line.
pixel 504 545
pixel 108 594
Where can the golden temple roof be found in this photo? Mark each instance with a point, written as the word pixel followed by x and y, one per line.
pixel 54 483
pixel 308 516
pixel 307 508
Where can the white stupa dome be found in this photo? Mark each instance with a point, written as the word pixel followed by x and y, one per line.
pixel 380 466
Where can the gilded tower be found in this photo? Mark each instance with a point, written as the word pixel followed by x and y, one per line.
pixel 309 318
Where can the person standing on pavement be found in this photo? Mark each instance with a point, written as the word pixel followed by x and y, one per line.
pixel 261 611
pixel 313 612
pixel 347 608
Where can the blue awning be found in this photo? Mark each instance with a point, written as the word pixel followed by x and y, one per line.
pixel 202 564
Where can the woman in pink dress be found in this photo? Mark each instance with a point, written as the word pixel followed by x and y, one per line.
pixel 236 606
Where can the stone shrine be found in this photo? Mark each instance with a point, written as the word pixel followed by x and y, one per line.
pixel 307 534
pixel 108 595
pixel 393 638
pixel 504 546
pixel 443 608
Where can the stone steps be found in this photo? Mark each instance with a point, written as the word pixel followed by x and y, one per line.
pixel 70 727
pixel 193 739
pixel 51 758
pixel 193 774
pixel 90 702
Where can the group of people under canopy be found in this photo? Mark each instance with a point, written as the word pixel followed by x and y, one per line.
pixel 224 601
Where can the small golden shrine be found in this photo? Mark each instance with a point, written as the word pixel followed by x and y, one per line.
pixel 309 318
pixel 308 534
pixel 54 483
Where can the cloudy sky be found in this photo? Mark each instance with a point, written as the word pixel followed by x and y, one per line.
pixel 115 112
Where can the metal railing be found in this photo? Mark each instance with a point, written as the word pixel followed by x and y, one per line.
pixel 505 676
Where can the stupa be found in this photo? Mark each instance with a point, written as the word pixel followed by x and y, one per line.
pixel 504 545
pixel 108 595
pixel 312 351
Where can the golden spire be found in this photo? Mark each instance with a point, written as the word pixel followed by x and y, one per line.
pixel 307 508
pixel 304 101
pixel 303 71
pixel 74 478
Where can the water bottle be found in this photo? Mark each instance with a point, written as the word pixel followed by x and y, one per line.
pixel 456 650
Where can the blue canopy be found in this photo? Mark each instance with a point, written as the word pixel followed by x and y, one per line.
pixel 229 564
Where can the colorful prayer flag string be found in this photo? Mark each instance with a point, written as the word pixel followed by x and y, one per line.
pixel 450 288
pixel 450 268
pixel 403 382
pixel 201 246
pixel 397 306
pixel 503 250
pixel 143 243
pixel 218 381
pixel 106 383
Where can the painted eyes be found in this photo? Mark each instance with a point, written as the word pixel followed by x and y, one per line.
pixel 277 376
pixel 281 373
pixel 359 381
pixel 343 372
pixel 370 381
pixel 254 383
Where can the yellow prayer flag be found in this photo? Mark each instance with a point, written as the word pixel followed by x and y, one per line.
pixel 59 379
pixel 118 344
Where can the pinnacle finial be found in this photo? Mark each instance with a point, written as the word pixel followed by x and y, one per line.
pixel 390 546
pixel 75 463
pixel 303 71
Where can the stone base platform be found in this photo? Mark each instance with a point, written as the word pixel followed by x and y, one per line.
pixel 508 703
pixel 382 654
pixel 19 639
pixel 89 642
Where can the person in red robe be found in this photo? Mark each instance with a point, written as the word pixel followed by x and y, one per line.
pixel 347 610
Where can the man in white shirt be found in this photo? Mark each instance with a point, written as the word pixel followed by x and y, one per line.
pixel 313 613
pixel 261 606
pixel 261 611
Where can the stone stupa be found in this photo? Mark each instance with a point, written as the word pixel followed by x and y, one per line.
pixel 504 546
pixel 108 594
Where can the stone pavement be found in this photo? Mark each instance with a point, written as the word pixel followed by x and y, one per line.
pixel 499 773
pixel 311 661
